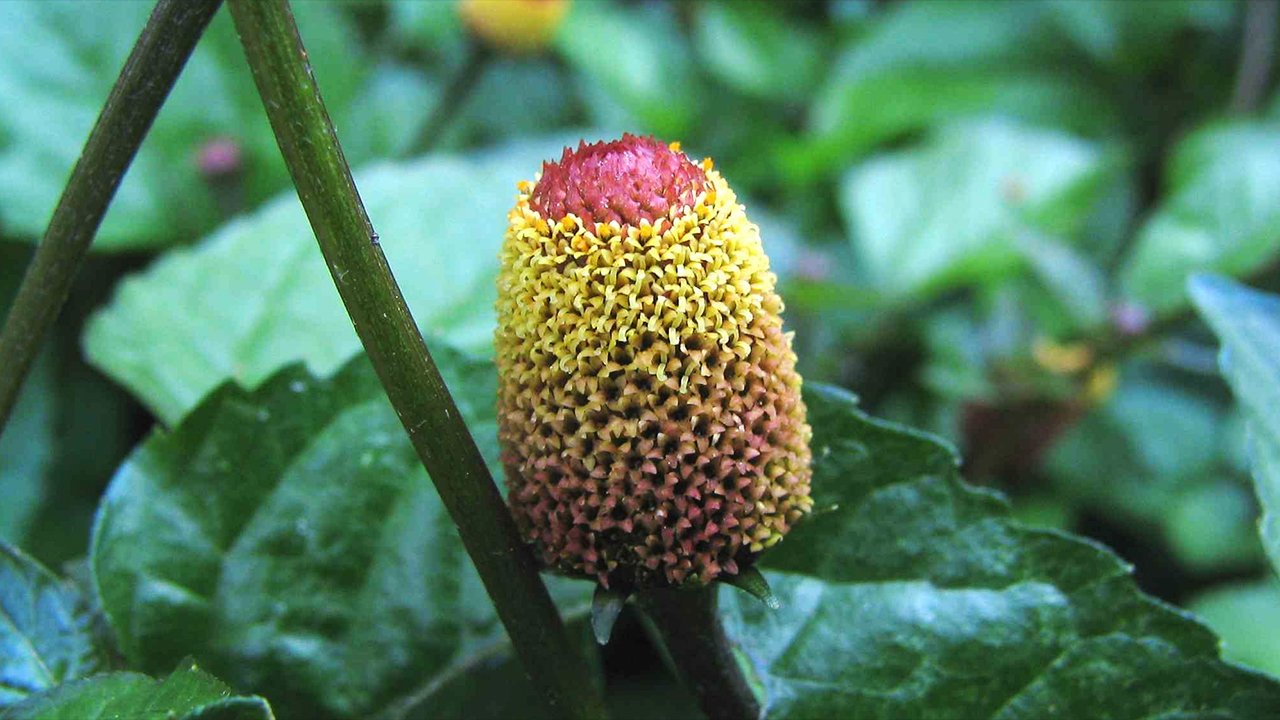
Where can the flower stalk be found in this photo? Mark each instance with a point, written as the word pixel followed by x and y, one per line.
pixel 688 621
pixel 311 151
pixel 148 75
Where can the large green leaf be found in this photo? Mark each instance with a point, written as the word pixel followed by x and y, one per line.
pixel 289 538
pixel 256 294
pixel 1248 323
pixel 57 63
pixel 46 632
pixel 1221 213
pixel 958 208
pixel 911 594
pixel 188 693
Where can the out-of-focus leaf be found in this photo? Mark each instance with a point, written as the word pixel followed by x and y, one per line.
pixel 188 693
pixel 256 295
pixel 1247 618
pixel 922 64
pixel 1139 452
pixel 1248 323
pixel 59 60
pixel 1136 37
pixel 26 451
pixel 955 209
pixel 1221 213
pixel 289 538
pixel 26 442
pixel 1072 279
pixel 917 596
pixel 1213 526
pixel 47 637
pixel 638 58
pixel 755 49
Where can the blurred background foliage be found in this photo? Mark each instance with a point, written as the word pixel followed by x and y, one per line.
pixel 982 216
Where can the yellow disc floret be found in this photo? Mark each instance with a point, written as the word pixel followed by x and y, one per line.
pixel 649 410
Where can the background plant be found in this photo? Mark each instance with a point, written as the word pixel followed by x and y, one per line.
pixel 983 216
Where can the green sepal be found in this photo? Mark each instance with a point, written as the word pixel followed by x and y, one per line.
pixel 606 605
pixel 753 583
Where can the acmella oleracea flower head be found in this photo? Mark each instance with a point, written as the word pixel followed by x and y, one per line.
pixel 649 410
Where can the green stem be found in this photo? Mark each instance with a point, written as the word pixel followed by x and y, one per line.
pixel 311 151
pixel 689 623
pixel 454 97
pixel 148 74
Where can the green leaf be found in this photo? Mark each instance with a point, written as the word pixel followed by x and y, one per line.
pixel 757 50
pixel 918 596
pixel 1247 617
pixel 1134 38
pixel 188 693
pixel 955 210
pixel 46 635
pixel 290 539
pixel 1221 213
pixel 26 442
pixel 59 60
pixel 922 64
pixel 633 58
pixel 256 294
pixel 1248 323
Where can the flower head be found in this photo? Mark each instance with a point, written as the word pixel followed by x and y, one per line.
pixel 649 411
pixel 513 26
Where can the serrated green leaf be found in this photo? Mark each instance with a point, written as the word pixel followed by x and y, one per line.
pixel 919 597
pixel 290 539
pixel 1221 213
pixel 188 693
pixel 46 635
pixel 59 60
pixel 954 210
pixel 1248 323
pixel 256 294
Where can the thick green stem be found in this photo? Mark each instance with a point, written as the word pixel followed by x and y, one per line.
pixel 689 623
pixel 149 73
pixel 453 98
pixel 311 151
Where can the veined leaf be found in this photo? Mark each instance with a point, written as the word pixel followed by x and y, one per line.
pixel 916 595
pixel 290 539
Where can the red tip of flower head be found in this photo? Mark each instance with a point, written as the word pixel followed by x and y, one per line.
pixel 625 180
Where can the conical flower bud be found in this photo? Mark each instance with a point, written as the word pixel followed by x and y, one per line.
pixel 649 410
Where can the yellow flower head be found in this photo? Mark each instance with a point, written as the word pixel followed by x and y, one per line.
pixel 649 410
pixel 513 26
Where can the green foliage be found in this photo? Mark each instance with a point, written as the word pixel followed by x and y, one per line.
pixel 916 594
pixel 325 574
pixel 983 217
pixel 47 638
pixel 1222 213
pixel 57 64
pixel 956 209
pixel 1249 324
pixel 188 693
